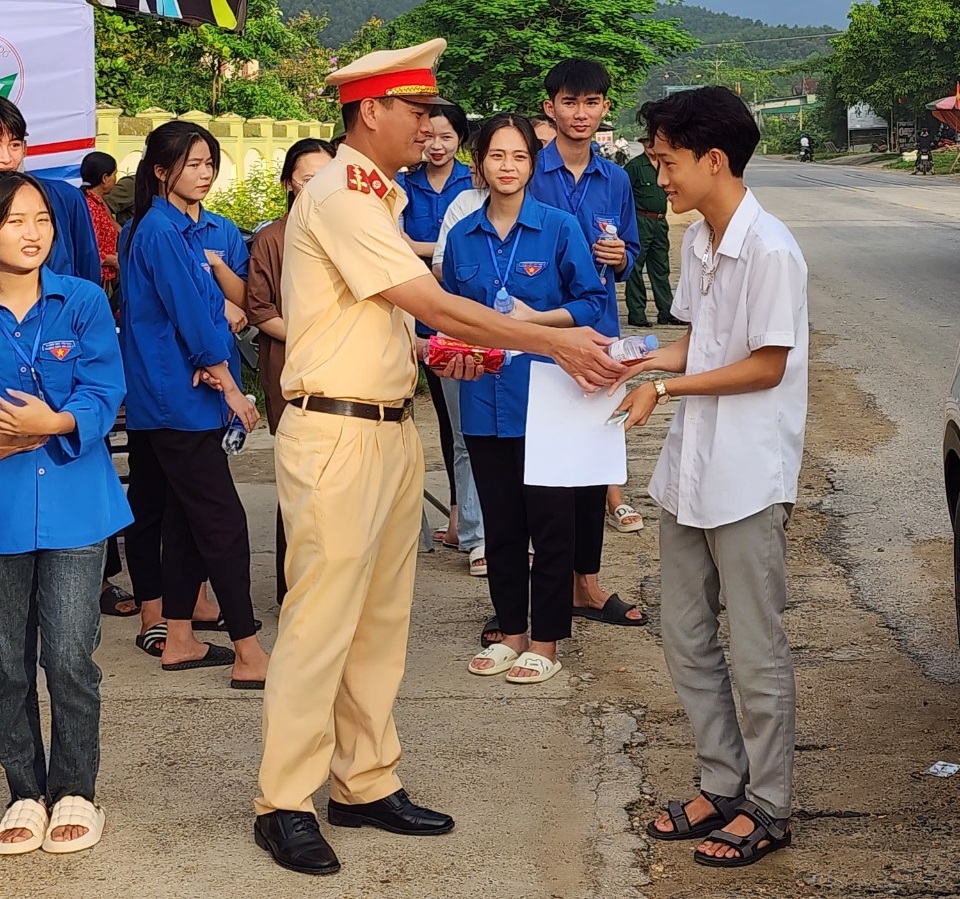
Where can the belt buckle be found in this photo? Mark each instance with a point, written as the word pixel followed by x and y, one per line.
pixel 407 412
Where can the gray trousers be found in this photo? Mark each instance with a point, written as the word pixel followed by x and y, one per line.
pixel 745 563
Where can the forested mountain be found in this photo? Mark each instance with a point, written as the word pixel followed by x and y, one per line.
pixel 710 27
pixel 346 16
pixel 718 28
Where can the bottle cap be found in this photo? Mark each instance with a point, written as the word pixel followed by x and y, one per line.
pixel 502 295
pixel 610 228
pixel 651 342
pixel 252 398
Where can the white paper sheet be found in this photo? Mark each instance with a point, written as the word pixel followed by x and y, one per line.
pixel 569 443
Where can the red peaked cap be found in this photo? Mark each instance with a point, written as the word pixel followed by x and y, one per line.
pixel 407 73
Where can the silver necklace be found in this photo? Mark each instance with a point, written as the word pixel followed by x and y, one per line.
pixel 708 273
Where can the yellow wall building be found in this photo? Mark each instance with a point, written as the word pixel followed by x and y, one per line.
pixel 243 142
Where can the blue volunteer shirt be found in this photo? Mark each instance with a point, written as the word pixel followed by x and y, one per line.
pixel 66 494
pixel 602 195
pixel 426 207
pixel 171 323
pixel 75 245
pixel 546 263
pixel 223 237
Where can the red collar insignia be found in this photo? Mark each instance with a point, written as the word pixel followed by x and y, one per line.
pixel 364 182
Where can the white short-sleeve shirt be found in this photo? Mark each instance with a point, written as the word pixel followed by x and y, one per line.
pixel 464 203
pixel 727 458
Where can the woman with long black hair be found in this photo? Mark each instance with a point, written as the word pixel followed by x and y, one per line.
pixel 174 336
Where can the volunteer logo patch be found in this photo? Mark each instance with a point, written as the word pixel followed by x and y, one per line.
pixel 59 349
pixel 531 268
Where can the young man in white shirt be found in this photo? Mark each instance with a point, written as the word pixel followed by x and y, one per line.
pixel 727 477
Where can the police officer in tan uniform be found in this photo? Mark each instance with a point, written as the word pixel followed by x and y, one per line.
pixel 350 466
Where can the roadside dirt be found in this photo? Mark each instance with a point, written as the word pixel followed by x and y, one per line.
pixel 868 821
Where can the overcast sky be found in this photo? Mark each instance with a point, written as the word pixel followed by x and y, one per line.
pixel 783 12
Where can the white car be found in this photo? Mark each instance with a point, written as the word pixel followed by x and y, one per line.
pixel 951 474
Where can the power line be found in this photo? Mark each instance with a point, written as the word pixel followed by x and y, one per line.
pixel 776 40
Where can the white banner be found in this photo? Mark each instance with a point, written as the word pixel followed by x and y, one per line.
pixel 863 118
pixel 47 69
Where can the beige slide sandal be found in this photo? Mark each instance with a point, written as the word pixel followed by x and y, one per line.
pixel 24 814
pixel 75 810
pixel 503 660
pixel 533 661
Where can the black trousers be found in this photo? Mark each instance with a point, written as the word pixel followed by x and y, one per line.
pixel 513 514
pixel 591 512
pixel 446 430
pixel 147 495
pixel 203 529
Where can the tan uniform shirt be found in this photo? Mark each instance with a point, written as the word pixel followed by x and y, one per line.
pixel 343 248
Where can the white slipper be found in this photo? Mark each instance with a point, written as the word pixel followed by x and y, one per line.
pixel 619 514
pixel 77 811
pixel 533 661
pixel 503 660
pixel 478 554
pixel 24 814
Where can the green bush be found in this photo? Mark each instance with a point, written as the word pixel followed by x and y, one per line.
pixel 259 197
pixel 782 134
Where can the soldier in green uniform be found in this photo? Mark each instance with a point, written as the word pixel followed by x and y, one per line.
pixel 651 203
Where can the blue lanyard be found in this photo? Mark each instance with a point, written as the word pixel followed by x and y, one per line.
pixel 31 360
pixel 496 262
pixel 575 209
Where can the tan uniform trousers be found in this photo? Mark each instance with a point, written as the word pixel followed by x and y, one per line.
pixel 351 497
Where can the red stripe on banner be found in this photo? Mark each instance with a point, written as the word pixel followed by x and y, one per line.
pixel 63 146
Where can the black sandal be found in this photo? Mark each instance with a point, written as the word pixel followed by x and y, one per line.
pixel 727 809
pixel 148 640
pixel 490 626
pixel 111 597
pixel 216 655
pixel 776 831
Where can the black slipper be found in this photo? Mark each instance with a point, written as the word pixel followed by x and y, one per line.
pixel 614 611
pixel 725 810
pixel 216 655
pixel 246 684
pixel 775 831
pixel 111 597
pixel 219 625
pixel 490 626
pixel 148 640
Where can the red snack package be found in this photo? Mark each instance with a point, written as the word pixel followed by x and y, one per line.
pixel 443 349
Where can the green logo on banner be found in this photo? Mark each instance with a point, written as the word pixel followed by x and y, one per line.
pixel 6 85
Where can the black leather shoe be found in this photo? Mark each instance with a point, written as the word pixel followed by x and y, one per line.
pixel 395 813
pixel 636 324
pixel 669 320
pixel 295 842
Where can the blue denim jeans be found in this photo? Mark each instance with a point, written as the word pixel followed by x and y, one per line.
pixel 57 592
pixel 470 521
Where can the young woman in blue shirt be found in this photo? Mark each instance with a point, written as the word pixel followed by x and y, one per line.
pixel 61 384
pixel 183 378
pixel 539 255
pixel 430 190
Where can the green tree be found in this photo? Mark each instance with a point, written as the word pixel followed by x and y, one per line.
pixel 144 62
pixel 898 53
pixel 499 50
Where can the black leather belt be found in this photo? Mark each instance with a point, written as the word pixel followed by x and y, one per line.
pixel 650 215
pixel 369 411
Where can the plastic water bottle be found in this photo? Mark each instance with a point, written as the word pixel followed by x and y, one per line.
pixel 609 233
pixel 236 433
pixel 629 349
pixel 503 302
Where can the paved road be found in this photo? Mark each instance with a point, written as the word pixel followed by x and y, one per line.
pixel 885 279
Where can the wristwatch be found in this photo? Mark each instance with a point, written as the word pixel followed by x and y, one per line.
pixel 662 396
